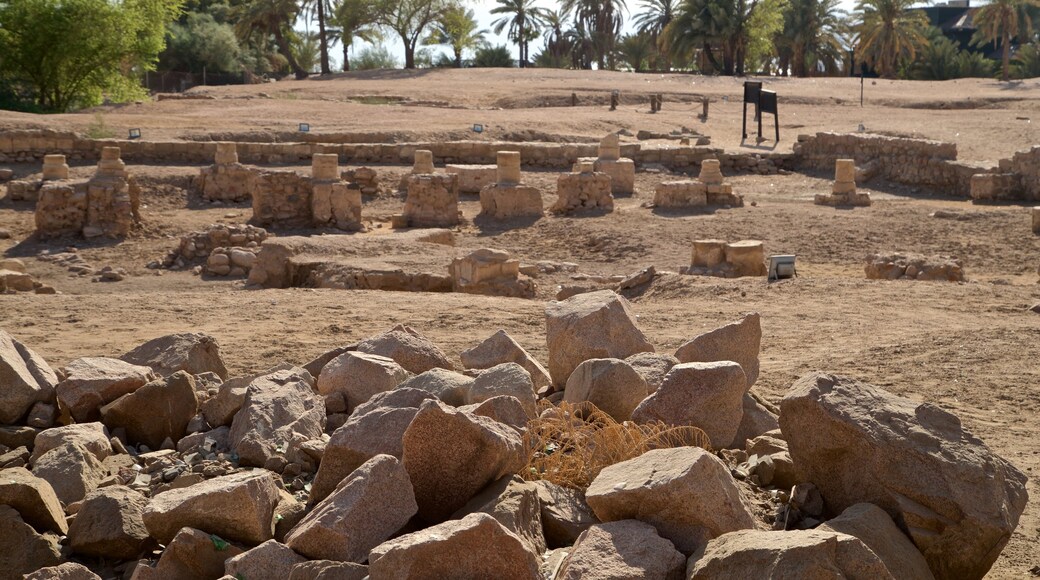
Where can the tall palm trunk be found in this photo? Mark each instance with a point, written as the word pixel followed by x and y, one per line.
pixel 323 40
pixel 1006 57
pixel 523 40
pixel 283 49
pixel 346 56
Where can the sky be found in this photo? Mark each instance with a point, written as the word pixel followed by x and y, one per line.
pixel 482 9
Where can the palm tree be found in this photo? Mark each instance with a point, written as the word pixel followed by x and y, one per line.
pixel 457 28
pixel 1002 21
pixel 601 20
pixel 1027 61
pixel 355 19
pixel 273 18
pixel 707 25
pixel 320 11
pixel 636 50
pixel 811 35
pixel 653 20
pixel 889 33
pixel 524 21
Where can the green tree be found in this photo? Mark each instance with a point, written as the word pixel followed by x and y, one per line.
pixel 600 21
pixel 938 60
pixel 812 36
pixel 653 20
pixel 272 18
pixel 636 50
pixel 69 53
pixel 409 19
pixel 1001 21
pixel 493 56
pixel 321 11
pixel 457 28
pixel 889 34
pixel 710 25
pixel 763 26
pixel 198 42
pixel 557 46
pixel 524 21
pixel 356 19
pixel 375 57
pixel 1027 61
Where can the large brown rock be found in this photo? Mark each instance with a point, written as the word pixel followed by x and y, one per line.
pixel 268 560
pixel 66 571
pixel 504 409
pixel 476 547
pixel 757 419
pixel 220 409
pixel 33 498
pixel 237 507
pixel 25 379
pixel 686 493
pixel 610 384
pixel 506 379
pixel 501 348
pixel 367 507
pixel 959 501
pixel 192 352
pixel 737 341
pixel 159 410
pixel 93 436
pixel 448 386
pixel 653 367
pixel 796 554
pixel 190 555
pixel 514 503
pixel 565 515
pixel 110 524
pixel 871 525
pixel 71 469
pixel 622 550
pixel 375 427
pixel 451 455
pixel 24 550
pixel 280 413
pixel 360 376
pixel 413 351
pixel 94 381
pixel 706 395
pixel 591 325
pixel 329 570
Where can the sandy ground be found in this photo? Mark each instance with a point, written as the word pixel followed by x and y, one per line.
pixel 972 348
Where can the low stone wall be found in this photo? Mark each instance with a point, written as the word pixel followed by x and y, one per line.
pixel 30 146
pixel 896 266
pixel 931 165
pixel 199 245
pixel 1026 164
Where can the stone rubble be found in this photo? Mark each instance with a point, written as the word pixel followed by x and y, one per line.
pixel 160 466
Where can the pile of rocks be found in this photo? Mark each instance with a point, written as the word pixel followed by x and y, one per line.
pixel 236 262
pixel 432 202
pixel 70 259
pixel 200 244
pixel 473 178
pixel 384 459
pixel 15 278
pixel 364 178
pixel 898 266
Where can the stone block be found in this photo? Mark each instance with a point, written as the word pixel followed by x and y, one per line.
pixel 508 167
pixel 747 257
pixel 708 253
pixel 55 168
pixel 584 190
pixel 227 153
pixel 622 174
pixel 433 200
pixel 680 194
pixel 473 178
pixel 845 170
pixel 325 167
pixel 505 201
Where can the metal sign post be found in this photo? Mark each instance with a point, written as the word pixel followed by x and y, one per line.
pixel 767 104
pixel 751 92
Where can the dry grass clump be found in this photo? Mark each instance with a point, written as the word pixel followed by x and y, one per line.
pixel 570 444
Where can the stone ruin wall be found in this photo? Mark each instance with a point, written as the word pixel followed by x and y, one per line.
pixel 930 165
